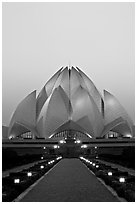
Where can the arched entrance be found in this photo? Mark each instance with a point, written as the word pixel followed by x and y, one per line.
pixel 70 134
pixel 70 142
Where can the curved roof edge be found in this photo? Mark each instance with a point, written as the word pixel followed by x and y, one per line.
pixel 116 127
pixel 70 124
pixel 49 86
pixel 113 109
pixel 20 128
pixel 25 112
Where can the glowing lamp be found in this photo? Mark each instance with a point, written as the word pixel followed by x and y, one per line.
pixel 109 173
pixel 55 146
pixel 29 174
pixel 97 166
pixel 122 180
pixel 62 141
pixel 59 158
pixel 93 164
pixel 41 157
pixel 84 146
pixel 42 167
pixel 78 141
pixel 16 180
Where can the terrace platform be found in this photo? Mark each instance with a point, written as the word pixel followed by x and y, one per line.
pixel 121 168
pixel 123 142
pixel 19 168
pixel 69 181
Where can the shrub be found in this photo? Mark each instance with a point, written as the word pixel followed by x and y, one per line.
pixel 130 195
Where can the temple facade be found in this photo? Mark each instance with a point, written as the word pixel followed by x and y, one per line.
pixel 70 101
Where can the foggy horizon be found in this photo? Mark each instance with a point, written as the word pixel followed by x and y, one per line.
pixel 40 38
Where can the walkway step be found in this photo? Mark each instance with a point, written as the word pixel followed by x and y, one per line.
pixel 69 181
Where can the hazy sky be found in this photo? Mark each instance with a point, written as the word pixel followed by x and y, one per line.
pixel 39 38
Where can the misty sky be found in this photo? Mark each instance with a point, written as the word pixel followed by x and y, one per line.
pixel 39 38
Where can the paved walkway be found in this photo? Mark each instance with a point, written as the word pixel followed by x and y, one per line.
pixel 69 181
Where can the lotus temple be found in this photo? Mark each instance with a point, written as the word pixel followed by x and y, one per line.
pixel 70 102
pixel 67 143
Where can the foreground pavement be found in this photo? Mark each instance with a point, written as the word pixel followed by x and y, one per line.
pixel 69 181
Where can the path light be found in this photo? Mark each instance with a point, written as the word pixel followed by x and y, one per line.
pixel 59 158
pixel 41 157
pixel 87 160
pixel 84 146
pixel 109 173
pixel 50 162
pixel 122 180
pixel 96 147
pixel 83 159
pixel 16 180
pixel 97 166
pixel 56 146
pixel 42 167
pixel 29 174
pixel 44 147
pixel 93 164
pixel 62 141
pixel 78 141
